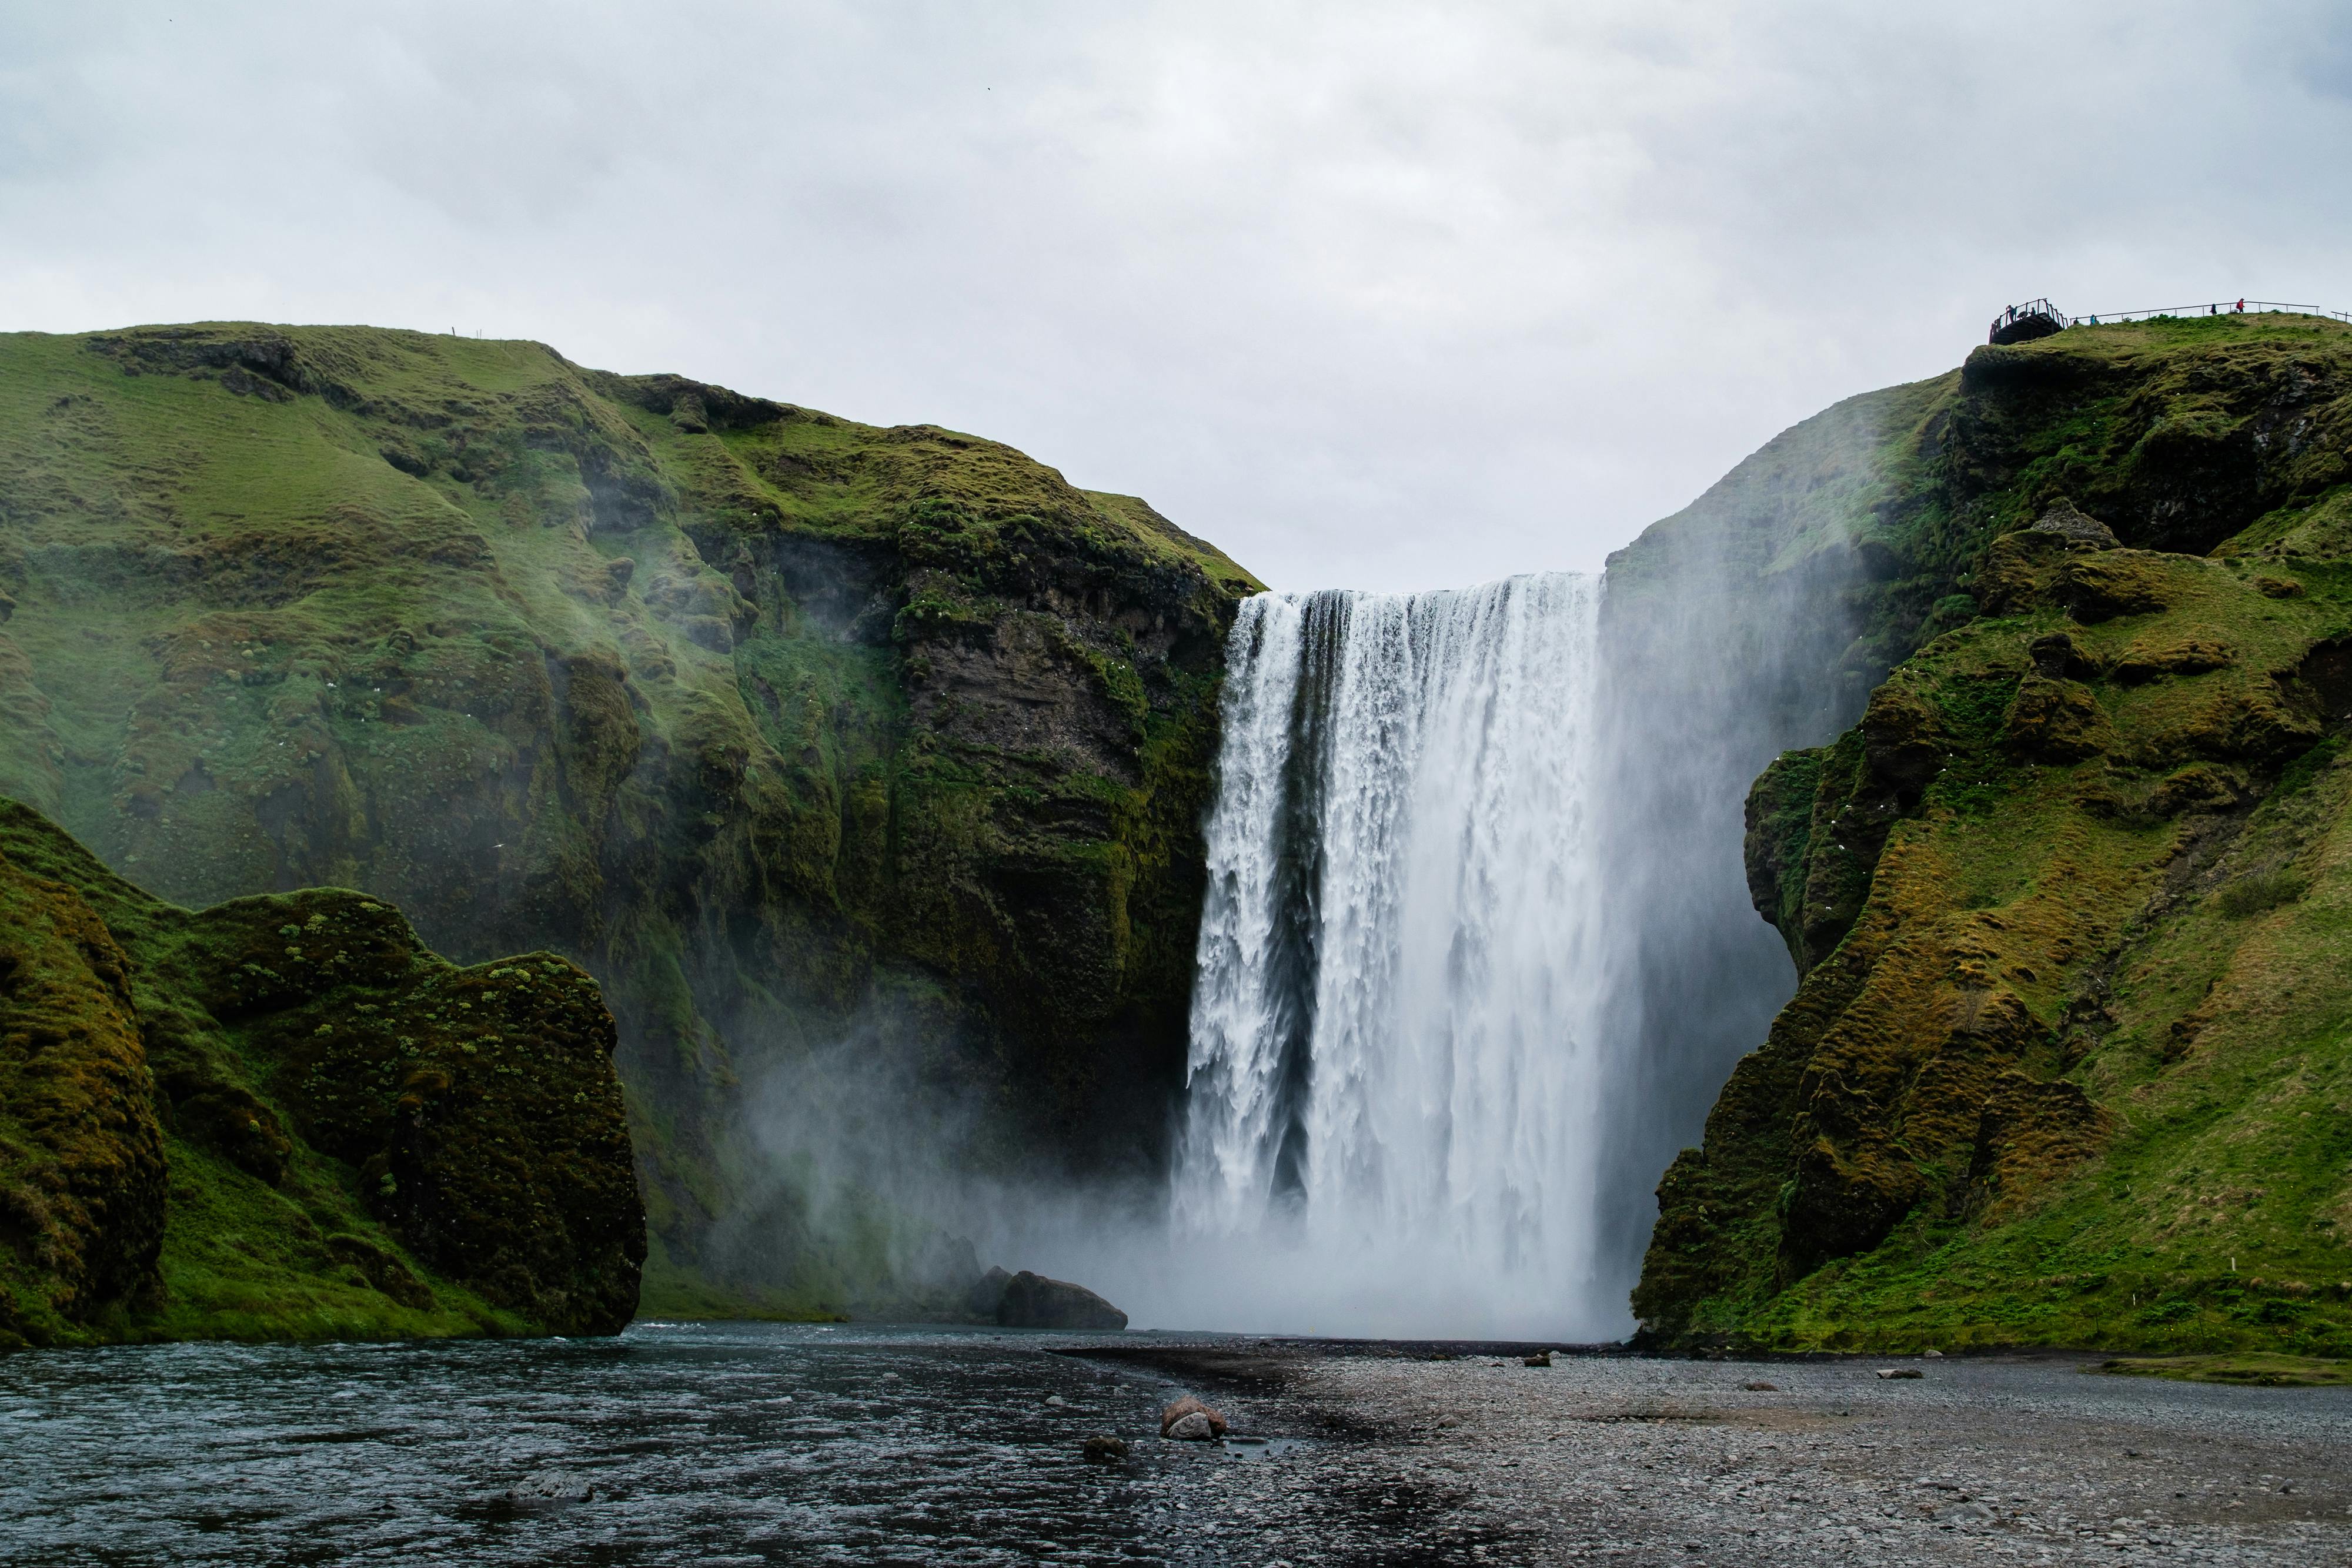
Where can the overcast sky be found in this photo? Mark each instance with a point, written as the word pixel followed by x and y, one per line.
pixel 1378 295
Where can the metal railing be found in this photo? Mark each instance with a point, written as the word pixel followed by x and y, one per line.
pixel 2219 308
pixel 2019 323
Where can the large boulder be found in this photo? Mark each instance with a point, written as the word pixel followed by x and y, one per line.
pixel 1034 1302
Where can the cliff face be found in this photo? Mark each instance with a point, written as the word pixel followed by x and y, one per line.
pixel 794 731
pixel 283 1118
pixel 1730 633
pixel 2068 1061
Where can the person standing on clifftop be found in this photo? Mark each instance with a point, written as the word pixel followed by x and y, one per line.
pixel 2242 307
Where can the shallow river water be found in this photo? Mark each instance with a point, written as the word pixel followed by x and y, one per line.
pixel 742 1443
pixel 706 1443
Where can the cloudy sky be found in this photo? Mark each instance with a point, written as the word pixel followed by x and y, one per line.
pixel 1373 294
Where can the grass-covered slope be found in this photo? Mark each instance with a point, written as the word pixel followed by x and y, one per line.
pixel 794 731
pixel 2072 1055
pixel 284 1118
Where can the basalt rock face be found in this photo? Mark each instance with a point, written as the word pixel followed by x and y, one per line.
pixel 2067 1061
pixel 804 736
pixel 285 1117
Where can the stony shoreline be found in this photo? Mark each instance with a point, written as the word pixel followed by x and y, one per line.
pixel 1403 1457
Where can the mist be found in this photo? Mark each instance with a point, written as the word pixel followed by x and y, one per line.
pixel 1476 956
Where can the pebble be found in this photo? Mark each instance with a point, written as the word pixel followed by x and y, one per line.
pixel 1635 1460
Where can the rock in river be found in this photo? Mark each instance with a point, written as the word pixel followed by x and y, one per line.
pixel 1033 1302
pixel 1190 1419
pixel 544 1489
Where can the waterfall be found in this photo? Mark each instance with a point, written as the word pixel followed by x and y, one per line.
pixel 1392 1085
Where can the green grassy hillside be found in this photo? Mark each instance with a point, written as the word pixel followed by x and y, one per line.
pixel 284 1118
pixel 791 730
pixel 2072 1055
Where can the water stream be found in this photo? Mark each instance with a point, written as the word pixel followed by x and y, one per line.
pixel 1395 1074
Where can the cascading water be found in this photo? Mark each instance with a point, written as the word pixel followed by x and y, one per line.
pixel 1393 1080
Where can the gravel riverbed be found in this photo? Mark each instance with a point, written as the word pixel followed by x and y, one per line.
pixel 1480 1458
pixel 705 1444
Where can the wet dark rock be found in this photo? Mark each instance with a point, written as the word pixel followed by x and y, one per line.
pixel 547 1489
pixel 1540 1358
pixel 1886 1373
pixel 1761 1387
pixel 1034 1302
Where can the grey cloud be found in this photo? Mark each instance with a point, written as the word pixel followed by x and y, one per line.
pixel 1382 293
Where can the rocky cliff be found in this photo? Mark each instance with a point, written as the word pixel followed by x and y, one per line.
pixel 2068 1061
pixel 829 750
pixel 283 1118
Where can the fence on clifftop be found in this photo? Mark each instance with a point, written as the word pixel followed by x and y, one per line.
pixel 2039 318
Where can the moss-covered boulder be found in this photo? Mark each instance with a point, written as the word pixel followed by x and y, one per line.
pixel 794 731
pixel 81 1154
pixel 285 1117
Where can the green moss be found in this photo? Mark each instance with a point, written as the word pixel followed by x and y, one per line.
pixel 738 703
pixel 328 1130
pixel 2257 1370
pixel 2076 1072
pixel 2259 891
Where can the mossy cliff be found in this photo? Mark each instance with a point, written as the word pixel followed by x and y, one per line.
pixel 793 731
pixel 283 1118
pixel 2070 1057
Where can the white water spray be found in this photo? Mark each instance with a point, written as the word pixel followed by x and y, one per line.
pixel 1392 1112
